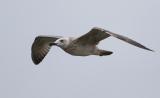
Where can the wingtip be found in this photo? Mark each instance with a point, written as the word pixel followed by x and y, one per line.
pixel 149 49
pixel 36 62
pixel 152 50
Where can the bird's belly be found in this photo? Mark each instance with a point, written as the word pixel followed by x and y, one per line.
pixel 80 51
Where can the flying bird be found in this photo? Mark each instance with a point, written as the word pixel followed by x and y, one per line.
pixel 84 45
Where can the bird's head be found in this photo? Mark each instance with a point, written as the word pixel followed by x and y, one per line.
pixel 62 42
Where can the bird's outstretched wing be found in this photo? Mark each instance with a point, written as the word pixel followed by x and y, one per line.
pixel 41 47
pixel 97 34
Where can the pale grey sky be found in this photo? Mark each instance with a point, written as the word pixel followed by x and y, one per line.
pixel 129 73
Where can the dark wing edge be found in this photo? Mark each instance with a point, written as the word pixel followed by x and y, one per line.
pixel 41 47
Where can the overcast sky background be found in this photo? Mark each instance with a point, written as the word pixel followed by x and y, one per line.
pixel 130 72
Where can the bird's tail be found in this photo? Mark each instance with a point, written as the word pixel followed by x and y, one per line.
pixel 104 52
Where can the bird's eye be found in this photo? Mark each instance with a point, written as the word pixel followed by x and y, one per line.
pixel 61 41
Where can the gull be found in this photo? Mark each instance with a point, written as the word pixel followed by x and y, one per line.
pixel 84 45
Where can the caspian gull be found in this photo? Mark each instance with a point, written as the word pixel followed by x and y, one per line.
pixel 82 46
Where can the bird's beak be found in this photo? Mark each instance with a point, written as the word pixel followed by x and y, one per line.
pixel 52 44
